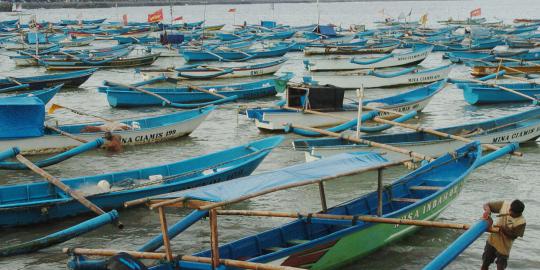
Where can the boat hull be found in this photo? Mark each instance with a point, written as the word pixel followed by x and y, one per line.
pixel 48 144
pixel 394 60
pixel 356 81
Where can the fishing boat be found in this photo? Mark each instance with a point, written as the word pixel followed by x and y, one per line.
pixel 494 56
pixel 44 95
pixel 113 62
pixel 202 72
pixel 516 128
pixel 277 50
pixel 77 42
pixel 68 79
pixel 374 78
pixel 409 57
pixel 123 97
pixel 477 94
pixel 348 48
pixel 25 204
pixel 327 239
pixel 484 69
pixel 330 100
pixel 144 130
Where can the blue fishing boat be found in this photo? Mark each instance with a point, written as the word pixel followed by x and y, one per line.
pixel 235 55
pixel 515 128
pixel 44 95
pixel 68 79
pixel 521 55
pixel 122 97
pixel 132 131
pixel 329 99
pixel 25 204
pixel 327 239
pixel 477 94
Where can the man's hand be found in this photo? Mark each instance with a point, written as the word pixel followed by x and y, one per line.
pixel 487 212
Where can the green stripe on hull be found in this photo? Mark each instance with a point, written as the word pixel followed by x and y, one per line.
pixel 359 244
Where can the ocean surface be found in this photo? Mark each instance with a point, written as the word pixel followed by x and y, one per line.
pixel 507 178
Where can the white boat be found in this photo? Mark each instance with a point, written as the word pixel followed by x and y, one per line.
pixel 143 131
pixel 324 49
pixel 520 127
pixel 201 72
pixel 276 119
pixel 409 57
pixel 373 79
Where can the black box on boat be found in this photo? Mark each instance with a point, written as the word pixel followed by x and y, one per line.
pixel 321 98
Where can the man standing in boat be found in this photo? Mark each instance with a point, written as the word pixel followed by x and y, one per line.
pixel 511 224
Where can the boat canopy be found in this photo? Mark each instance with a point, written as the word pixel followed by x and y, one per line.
pixel 324 98
pixel 39 37
pixel 268 24
pixel 342 164
pixel 326 30
pixel 21 117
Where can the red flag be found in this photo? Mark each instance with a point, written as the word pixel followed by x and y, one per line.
pixel 178 18
pixel 124 19
pixel 232 10
pixel 156 16
pixel 476 12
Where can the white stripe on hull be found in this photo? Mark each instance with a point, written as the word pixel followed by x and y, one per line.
pixel 433 149
pixel 370 81
pixel 57 143
pixel 345 50
pixel 147 75
pixel 344 63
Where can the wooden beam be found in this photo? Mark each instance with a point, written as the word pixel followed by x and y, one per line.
pixel 164 232
pixel 380 188
pixel 323 197
pixel 371 219
pixel 188 258
pixel 214 241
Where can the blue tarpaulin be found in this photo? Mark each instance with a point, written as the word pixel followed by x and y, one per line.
pixel 32 37
pixel 268 24
pixel 171 39
pixel 21 117
pixel 326 30
pixel 327 167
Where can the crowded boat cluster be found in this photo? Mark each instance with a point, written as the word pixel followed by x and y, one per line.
pixel 228 67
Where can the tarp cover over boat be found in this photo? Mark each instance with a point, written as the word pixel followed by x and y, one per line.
pixel 336 165
pixel 21 117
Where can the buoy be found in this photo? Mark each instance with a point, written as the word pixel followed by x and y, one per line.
pixel 104 185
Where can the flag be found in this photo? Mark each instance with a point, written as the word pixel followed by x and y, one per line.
pixel 156 16
pixel 423 19
pixel 410 12
pixel 125 19
pixel 476 12
pixel 232 10
pixel 54 107
pixel 178 19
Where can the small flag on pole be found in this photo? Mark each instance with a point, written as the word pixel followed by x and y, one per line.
pixel 125 19
pixel 232 10
pixel 476 12
pixel 156 16
pixel 53 108
pixel 424 19
pixel 178 19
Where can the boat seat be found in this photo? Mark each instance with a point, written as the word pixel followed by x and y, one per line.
pixel 433 188
pixel 406 200
pixel 295 242
pixel 272 249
